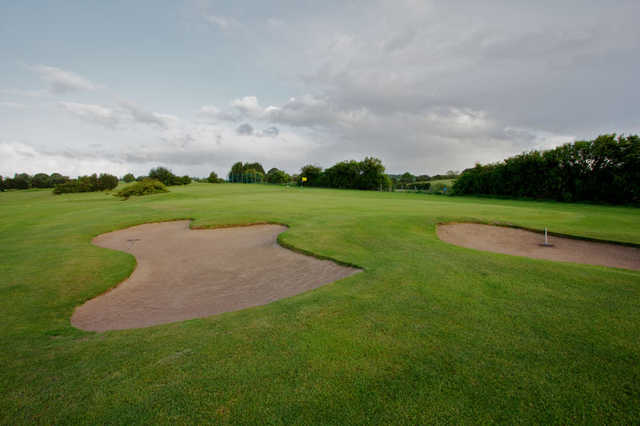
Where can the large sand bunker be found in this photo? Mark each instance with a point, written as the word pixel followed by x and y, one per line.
pixel 184 274
pixel 500 239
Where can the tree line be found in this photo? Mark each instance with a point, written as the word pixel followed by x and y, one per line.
pixel 365 174
pixel 605 169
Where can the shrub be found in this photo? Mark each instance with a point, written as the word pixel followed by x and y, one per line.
pixel 144 187
pixel 91 183
pixel 128 178
pixel 165 176
pixel 106 182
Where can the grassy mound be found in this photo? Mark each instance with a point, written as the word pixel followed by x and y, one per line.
pixel 144 187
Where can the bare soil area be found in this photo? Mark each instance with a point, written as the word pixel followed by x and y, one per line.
pixel 183 274
pixel 500 239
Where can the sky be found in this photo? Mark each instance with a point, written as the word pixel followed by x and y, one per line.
pixel 196 85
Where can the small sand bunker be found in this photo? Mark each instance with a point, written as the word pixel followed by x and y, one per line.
pixel 184 274
pixel 500 239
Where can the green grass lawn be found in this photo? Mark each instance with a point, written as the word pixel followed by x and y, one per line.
pixel 429 332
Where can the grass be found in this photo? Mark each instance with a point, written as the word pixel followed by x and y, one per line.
pixel 429 333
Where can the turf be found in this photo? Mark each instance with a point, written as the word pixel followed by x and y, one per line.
pixel 428 333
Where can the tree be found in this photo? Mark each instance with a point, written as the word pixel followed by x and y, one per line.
pixel 213 178
pixel 276 176
pixel 371 175
pixel 407 178
pixel 237 172
pixel 57 178
pixel 255 166
pixel 2 183
pixel 162 174
pixel 106 182
pixel 128 178
pixel 41 180
pixel 312 173
pixel 21 181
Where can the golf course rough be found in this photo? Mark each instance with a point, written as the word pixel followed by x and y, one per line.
pixel 429 332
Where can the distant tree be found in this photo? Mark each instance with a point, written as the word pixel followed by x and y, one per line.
pixel 57 178
pixel 253 166
pixel 162 174
pixel 423 178
pixel 276 176
pixel 253 176
pixel 237 172
pixel 371 176
pixel 2 188
pixel 141 178
pixel 312 173
pixel 213 178
pixel 21 181
pixel 185 180
pixel 129 177
pixel 344 174
pixel 41 180
pixel 407 178
pixel 106 182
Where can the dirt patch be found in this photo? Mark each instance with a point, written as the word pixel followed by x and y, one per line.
pixel 184 274
pixel 500 239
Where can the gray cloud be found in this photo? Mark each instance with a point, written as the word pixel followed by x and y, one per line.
pixel 244 129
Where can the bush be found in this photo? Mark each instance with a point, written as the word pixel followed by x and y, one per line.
pixel 144 187
pixel 91 183
pixel 213 178
pixel 128 178
pixel 165 176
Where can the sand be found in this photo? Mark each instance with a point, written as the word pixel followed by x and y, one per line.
pixel 500 239
pixel 184 274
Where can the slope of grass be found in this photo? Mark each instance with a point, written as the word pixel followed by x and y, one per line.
pixel 429 332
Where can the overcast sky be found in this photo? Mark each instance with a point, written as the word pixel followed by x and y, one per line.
pixel 120 86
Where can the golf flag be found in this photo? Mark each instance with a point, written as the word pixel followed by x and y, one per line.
pixel 304 178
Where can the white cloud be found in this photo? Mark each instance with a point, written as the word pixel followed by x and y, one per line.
pixel 63 81
pixel 248 106
pixel 97 114
pixel 139 115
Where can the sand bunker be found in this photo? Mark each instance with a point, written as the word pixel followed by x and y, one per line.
pixel 500 239
pixel 184 274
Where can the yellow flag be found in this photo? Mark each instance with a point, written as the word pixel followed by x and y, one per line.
pixel 304 178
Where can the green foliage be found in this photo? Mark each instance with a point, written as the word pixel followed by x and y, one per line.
pixel 246 173
pixel 128 178
pixel 367 174
pixel 90 183
pixel 407 178
pixel 276 176
pixel 606 169
pixel 165 176
pixel 313 175
pixel 213 178
pixel 41 180
pixel 144 187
